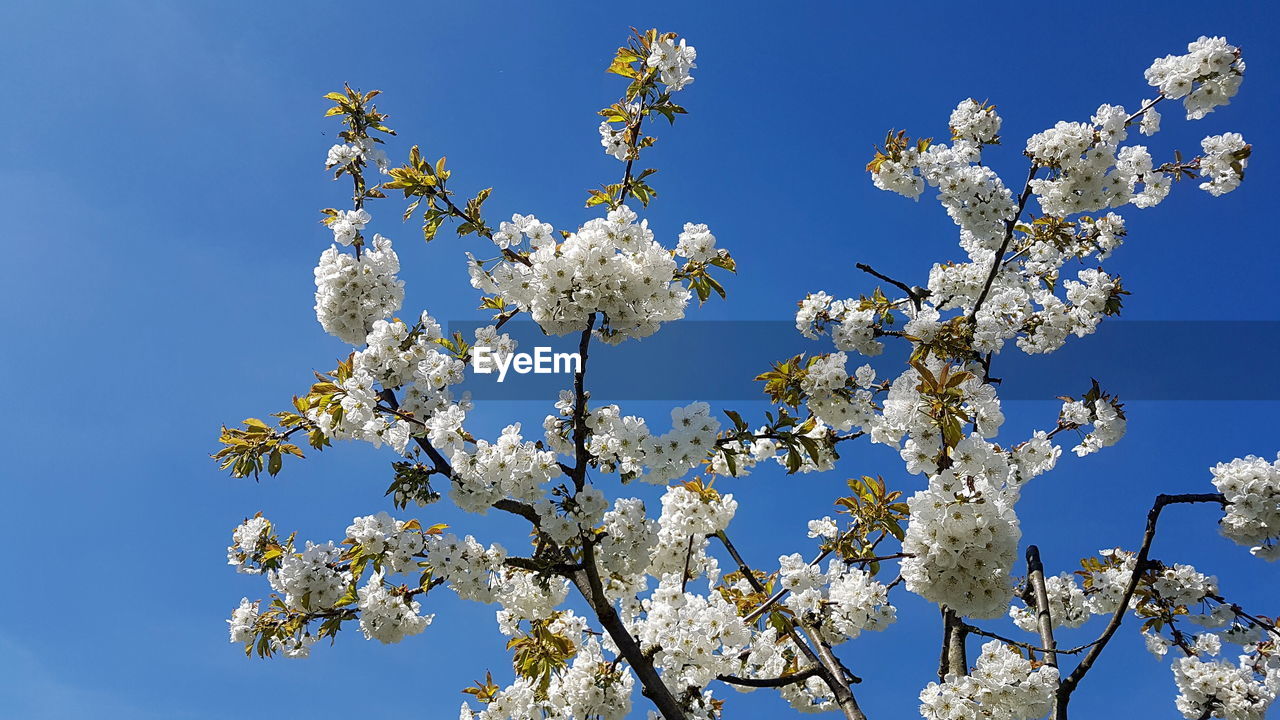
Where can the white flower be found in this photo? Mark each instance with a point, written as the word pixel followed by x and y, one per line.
pixel 1224 160
pixel 1002 685
pixel 242 621
pixel 1208 76
pixel 673 62
pixel 696 243
pixel 1251 487
pixel 351 294
pixel 347 224
pixel 1220 687
pixel 386 616
pixel 614 141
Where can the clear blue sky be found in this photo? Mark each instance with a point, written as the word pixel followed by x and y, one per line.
pixel 162 169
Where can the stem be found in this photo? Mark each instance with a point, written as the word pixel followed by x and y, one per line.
pixel 1044 618
pixel 634 131
pixel 912 294
pixel 792 679
pixel 442 466
pixel 974 630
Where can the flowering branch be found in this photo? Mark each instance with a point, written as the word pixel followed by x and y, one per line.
pixel 1004 244
pixel 1072 681
pixel 824 663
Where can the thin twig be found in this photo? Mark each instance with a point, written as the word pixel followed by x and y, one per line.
pixel 785 680
pixel 914 294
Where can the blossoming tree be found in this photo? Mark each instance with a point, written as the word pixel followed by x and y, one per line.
pixel 673 609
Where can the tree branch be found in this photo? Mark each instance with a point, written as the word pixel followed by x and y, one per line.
pixel 830 669
pixel 955 659
pixel 442 466
pixel 651 685
pixel 1035 576
pixel 764 606
pixel 916 295
pixel 580 408
pixel 1009 225
pixel 785 680
pixel 975 630
pixel 1072 681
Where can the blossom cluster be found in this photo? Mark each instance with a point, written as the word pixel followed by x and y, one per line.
pixel 904 415
pixel 611 266
pixel 1251 486
pixel 1223 689
pixel 1206 77
pixel 311 579
pixel 614 141
pixel 626 445
pixel 850 325
pixel 351 292
pixel 397 544
pixel 361 148
pixel 687 518
pixel 388 616
pixel 1224 160
pixel 630 536
pixel 673 62
pixel 837 399
pixel 511 467
pixel 248 542
pixel 1003 686
pixel 590 687
pixel 1103 415
pixel 840 602
pixel 963 538
pixel 693 637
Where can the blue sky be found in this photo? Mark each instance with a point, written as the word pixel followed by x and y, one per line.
pixel 162 166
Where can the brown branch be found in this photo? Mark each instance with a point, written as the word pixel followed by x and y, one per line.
pixel 955 659
pixel 633 131
pixel 442 466
pixel 1035 576
pixel 1143 110
pixel 588 583
pixel 916 295
pixel 1009 225
pixel 829 668
pixel 1239 611
pixel 540 566
pixel 974 630
pixel 785 680
pixel 580 454
pixel 688 559
pixel 480 227
pixel 1072 681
